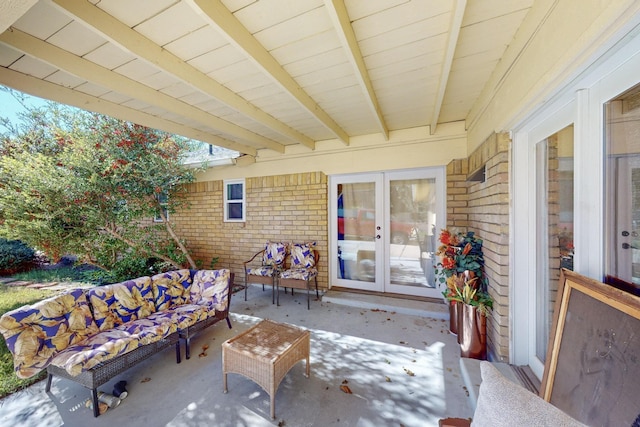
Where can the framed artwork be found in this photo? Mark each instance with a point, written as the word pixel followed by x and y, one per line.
pixel 592 369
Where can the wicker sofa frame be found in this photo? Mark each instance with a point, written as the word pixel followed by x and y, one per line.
pixel 105 371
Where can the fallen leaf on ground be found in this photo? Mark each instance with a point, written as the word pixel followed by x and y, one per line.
pixel 387 379
pixel 204 347
pixel 203 354
pixel 411 374
pixel 145 380
pixel 346 389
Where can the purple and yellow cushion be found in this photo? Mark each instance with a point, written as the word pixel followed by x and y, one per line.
pixel 299 273
pixel 96 349
pixel 171 288
pixel 34 334
pixel 211 288
pixel 274 253
pixel 302 255
pixel 264 271
pixel 120 303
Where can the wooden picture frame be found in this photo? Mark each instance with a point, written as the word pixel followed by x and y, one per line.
pixel 592 368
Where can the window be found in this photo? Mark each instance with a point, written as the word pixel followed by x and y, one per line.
pixel 163 198
pixel 234 200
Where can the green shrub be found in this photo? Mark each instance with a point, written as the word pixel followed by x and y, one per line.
pixel 15 256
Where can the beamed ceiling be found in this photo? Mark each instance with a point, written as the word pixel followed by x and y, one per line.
pixel 252 75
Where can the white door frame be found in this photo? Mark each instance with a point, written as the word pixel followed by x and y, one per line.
pixel 581 102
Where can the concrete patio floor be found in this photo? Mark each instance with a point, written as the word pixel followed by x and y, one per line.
pixel 396 356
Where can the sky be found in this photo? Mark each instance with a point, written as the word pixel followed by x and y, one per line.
pixel 10 107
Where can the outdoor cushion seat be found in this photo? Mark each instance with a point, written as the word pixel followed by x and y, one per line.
pixel 272 261
pixel 304 261
pixel 94 350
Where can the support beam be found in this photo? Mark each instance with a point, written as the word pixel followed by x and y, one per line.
pixel 454 31
pixel 218 16
pixel 130 40
pixel 47 90
pixel 342 23
pixel 91 72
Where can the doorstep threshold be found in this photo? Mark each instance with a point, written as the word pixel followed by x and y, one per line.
pixel 415 306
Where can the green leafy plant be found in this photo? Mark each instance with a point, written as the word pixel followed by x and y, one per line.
pixel 15 256
pixel 461 268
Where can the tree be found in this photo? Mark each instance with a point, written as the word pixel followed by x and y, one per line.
pixel 90 185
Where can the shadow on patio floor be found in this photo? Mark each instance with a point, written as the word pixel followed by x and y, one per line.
pixel 403 370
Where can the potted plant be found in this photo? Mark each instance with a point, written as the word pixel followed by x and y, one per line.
pixel 461 269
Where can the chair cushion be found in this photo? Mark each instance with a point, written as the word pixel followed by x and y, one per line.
pixel 302 255
pixel 299 273
pixel 171 288
pixel 274 253
pixel 96 349
pixel 35 334
pixel 122 302
pixel 211 288
pixel 264 271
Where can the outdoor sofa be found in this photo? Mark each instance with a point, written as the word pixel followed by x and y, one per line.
pixel 91 335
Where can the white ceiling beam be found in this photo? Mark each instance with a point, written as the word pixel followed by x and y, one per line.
pixel 12 10
pixel 120 34
pixel 454 31
pixel 342 23
pixel 54 92
pixel 219 17
pixel 60 58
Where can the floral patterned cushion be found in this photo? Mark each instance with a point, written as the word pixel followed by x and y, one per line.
pixel 96 349
pixel 171 288
pixel 302 255
pixel 34 334
pixel 211 288
pixel 119 303
pixel 265 271
pixel 274 253
pixel 299 273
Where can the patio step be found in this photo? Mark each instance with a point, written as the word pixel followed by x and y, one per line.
pixel 470 370
pixel 412 307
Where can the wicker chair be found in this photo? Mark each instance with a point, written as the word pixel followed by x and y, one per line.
pixel 272 259
pixel 304 267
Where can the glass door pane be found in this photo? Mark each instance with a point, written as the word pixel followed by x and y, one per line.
pixel 358 228
pixel 554 216
pixel 622 126
pixel 412 230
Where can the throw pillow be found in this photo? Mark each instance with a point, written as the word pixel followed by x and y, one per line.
pixel 504 403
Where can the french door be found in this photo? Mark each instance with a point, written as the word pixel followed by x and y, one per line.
pixel 384 230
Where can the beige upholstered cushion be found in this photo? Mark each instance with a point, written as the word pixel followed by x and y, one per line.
pixel 504 403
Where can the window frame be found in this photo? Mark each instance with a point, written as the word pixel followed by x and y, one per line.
pixel 164 205
pixel 227 202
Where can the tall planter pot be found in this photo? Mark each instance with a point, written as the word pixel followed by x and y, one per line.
pixel 455 309
pixel 473 333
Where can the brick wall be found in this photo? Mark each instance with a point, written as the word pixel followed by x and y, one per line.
pixel 483 207
pixel 289 207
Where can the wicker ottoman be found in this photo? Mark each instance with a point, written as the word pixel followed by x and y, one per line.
pixel 264 354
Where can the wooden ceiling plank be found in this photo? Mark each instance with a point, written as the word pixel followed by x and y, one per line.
pixel 342 23
pixel 92 72
pixel 456 23
pixel 132 41
pixel 217 15
pixel 43 89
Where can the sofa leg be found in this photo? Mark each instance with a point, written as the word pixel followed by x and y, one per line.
pixel 187 344
pixel 228 322
pixel 47 388
pixel 178 358
pixel 94 399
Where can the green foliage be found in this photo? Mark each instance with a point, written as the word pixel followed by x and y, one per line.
pixel 15 256
pixel 83 183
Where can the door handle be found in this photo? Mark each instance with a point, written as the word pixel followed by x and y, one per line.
pixel 628 246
